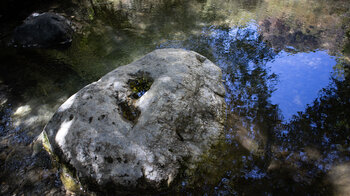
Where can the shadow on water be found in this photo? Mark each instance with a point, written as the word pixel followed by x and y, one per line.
pixel 263 152
pixel 32 87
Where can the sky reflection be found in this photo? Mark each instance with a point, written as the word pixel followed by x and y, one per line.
pixel 301 77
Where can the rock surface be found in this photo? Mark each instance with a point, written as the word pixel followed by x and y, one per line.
pixel 44 30
pixel 139 125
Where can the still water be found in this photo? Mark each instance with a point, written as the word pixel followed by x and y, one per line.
pixel 285 68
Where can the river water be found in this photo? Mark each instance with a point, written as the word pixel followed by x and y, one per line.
pixel 285 68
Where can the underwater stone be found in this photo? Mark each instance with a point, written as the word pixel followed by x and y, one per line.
pixel 46 30
pixel 121 143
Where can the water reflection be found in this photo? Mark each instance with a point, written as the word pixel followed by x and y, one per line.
pixel 246 154
pixel 276 57
pixel 301 77
pixel 260 155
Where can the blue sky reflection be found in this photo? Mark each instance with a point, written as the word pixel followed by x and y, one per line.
pixel 301 77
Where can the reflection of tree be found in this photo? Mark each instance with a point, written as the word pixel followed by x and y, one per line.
pixel 242 160
pixel 325 124
pixel 248 82
pixel 306 26
pixel 280 35
pixel 258 155
pixel 316 140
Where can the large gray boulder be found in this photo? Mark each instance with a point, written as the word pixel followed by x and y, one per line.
pixel 140 125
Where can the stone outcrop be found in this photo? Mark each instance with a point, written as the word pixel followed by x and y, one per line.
pixel 46 30
pixel 141 125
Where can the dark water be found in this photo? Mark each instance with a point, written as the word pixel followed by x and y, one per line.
pixel 286 73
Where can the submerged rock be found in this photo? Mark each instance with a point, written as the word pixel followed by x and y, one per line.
pixel 44 30
pixel 141 125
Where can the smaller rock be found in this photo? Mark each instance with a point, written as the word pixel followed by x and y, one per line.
pixel 46 30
